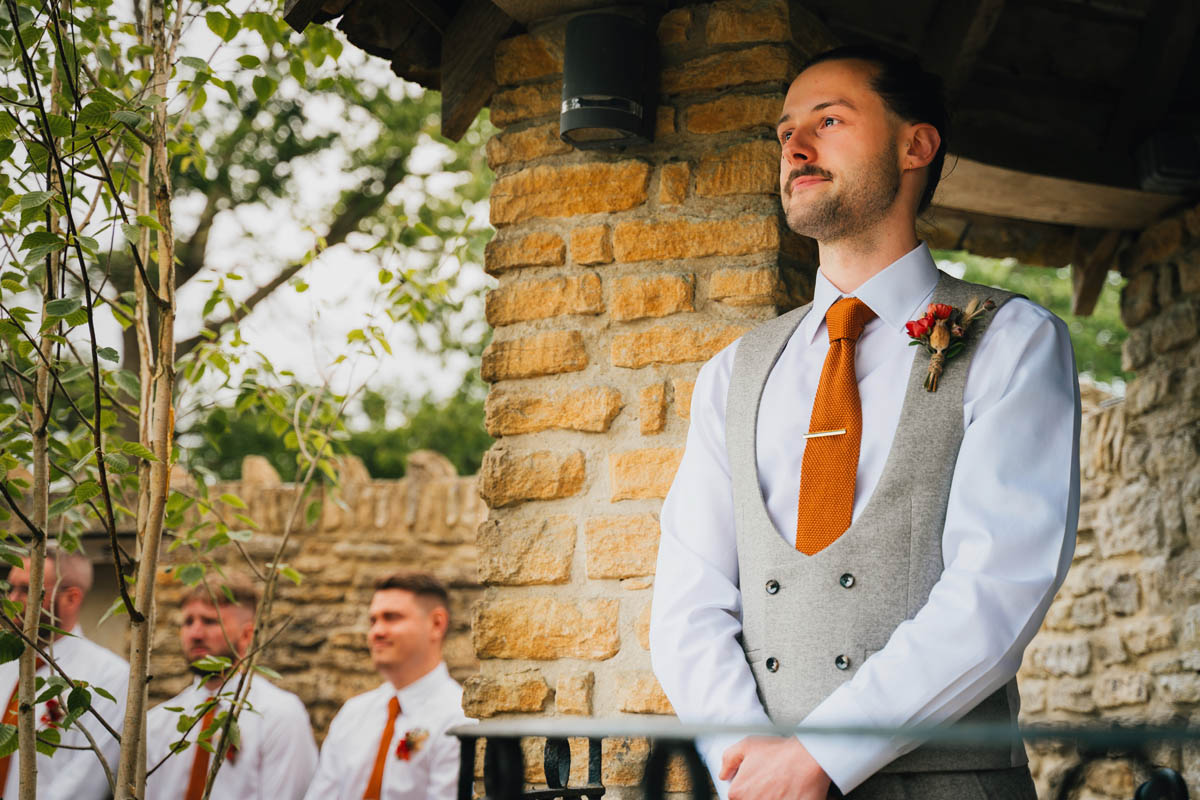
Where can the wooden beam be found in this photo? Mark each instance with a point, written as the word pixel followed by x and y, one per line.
pixel 958 35
pixel 973 186
pixel 433 13
pixel 1035 243
pixel 298 13
pixel 1166 40
pixel 1090 269
pixel 468 49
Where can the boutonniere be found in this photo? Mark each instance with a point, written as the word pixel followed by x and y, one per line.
pixel 54 713
pixel 413 741
pixel 942 331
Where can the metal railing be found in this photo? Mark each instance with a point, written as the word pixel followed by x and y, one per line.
pixel 504 762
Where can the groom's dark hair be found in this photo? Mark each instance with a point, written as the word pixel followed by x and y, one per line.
pixel 909 91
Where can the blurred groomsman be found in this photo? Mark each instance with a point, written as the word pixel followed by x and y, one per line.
pixel 276 754
pixel 391 743
pixel 70 774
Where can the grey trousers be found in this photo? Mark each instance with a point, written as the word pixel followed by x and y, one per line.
pixel 993 784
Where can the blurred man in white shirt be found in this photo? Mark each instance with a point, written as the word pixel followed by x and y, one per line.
pixel 275 756
pixel 70 773
pixel 391 742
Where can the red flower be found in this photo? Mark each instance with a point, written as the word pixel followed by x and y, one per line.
pixel 54 713
pixel 402 750
pixel 917 328
pixel 940 310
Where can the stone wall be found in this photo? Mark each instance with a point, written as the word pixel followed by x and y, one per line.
pixel 619 274
pixel 370 528
pixel 1122 639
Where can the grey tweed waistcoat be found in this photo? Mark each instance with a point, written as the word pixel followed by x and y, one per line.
pixel 808 622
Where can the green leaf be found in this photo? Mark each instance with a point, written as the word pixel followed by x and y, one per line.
pixel 11 647
pixel 35 200
pixel 217 22
pixel 150 222
pixel 198 64
pixel 8 740
pixel 270 673
pixel 137 450
pixel 129 383
pixel 10 202
pixel 62 307
pixel 130 118
pixel 7 146
pixel 80 699
pixel 241 535
pixel 131 232
pixel 107 695
pixel 48 740
pixel 263 87
pixel 212 663
pixel 190 574
pixel 41 239
pixel 108 354
pixel 249 62
pixel 94 114
pixel 291 574
pixel 233 500
pixel 8 123
pixel 118 463
pixel 117 607
pixel 86 491
pixel 298 71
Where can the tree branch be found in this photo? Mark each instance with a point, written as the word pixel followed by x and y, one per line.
pixel 360 205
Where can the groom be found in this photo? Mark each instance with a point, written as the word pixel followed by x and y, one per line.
pixel 842 546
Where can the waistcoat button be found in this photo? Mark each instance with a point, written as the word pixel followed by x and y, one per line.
pixel 847 580
pixel 772 586
pixel 772 664
pixel 841 662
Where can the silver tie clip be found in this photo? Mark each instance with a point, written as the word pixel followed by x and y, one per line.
pixel 820 434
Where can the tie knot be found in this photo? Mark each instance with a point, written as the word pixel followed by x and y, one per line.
pixel 846 319
pixel 393 707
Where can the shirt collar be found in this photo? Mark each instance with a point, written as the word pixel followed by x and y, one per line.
pixel 895 294
pixel 416 693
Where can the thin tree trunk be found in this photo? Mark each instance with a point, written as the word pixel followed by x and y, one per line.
pixel 26 692
pixel 152 494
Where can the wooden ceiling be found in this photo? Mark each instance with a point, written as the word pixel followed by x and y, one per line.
pixel 1051 98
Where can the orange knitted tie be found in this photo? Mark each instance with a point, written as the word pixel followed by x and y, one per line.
pixel 199 774
pixel 375 785
pixel 10 718
pixel 831 461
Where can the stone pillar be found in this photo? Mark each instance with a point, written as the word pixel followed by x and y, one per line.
pixel 1122 639
pixel 619 275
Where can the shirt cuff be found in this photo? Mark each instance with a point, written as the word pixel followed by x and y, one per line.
pixel 712 750
pixel 848 760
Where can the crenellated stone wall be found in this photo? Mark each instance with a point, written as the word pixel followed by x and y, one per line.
pixel 619 275
pixel 368 529
pixel 1121 641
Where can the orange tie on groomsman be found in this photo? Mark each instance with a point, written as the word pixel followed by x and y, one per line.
pixel 199 775
pixel 375 785
pixel 10 718
pixel 830 464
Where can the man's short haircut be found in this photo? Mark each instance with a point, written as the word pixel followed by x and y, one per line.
pixel 233 589
pixel 422 584
pixel 909 91
pixel 71 568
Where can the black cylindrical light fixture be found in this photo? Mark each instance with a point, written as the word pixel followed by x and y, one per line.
pixel 609 82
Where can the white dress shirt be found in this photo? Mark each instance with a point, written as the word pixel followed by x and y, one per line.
pixel 75 774
pixel 276 758
pixel 431 704
pixel 1008 539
